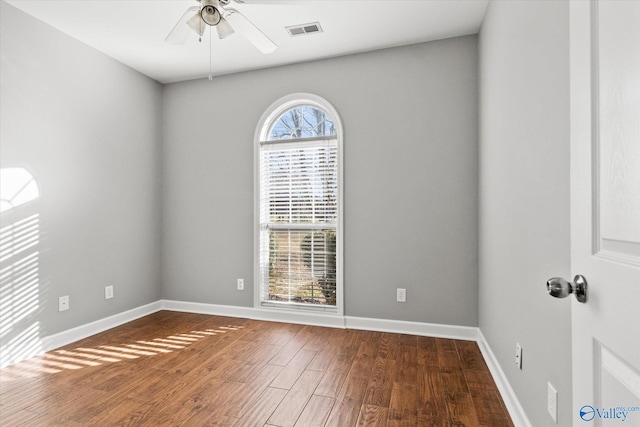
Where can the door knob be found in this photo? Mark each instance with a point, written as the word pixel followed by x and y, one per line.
pixel 560 288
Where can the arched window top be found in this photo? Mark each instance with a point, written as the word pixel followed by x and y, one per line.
pixel 302 121
pixel 299 116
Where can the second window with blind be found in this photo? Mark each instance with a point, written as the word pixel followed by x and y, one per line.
pixel 299 241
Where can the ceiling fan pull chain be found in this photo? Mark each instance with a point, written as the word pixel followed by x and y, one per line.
pixel 210 72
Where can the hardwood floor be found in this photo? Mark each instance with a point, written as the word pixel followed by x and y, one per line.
pixel 183 369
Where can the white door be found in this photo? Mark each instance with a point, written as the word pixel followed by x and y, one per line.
pixel 605 210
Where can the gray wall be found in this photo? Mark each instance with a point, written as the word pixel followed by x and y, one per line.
pixel 410 179
pixel 524 197
pixel 88 129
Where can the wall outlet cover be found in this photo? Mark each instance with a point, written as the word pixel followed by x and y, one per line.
pixel 63 303
pixel 518 356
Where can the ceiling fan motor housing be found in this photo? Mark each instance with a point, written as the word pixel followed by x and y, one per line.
pixel 209 13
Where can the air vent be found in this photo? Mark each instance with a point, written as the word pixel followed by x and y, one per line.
pixel 300 30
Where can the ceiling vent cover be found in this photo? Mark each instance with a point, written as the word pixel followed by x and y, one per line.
pixel 301 30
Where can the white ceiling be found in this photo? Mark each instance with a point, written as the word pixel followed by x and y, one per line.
pixel 133 31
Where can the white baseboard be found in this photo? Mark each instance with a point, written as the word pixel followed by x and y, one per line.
pixel 467 333
pixel 271 315
pixel 71 335
pixel 518 416
pixel 333 321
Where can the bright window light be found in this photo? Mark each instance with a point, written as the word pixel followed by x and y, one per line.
pixel 17 187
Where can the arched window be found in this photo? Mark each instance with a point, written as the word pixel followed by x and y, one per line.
pixel 298 191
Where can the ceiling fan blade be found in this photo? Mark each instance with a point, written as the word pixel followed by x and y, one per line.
pixel 250 31
pixel 181 30
pixel 224 29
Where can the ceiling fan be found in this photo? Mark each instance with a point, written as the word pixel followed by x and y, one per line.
pixel 226 20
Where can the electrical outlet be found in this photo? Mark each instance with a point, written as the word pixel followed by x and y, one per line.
pixel 518 356
pixel 241 284
pixel 108 292
pixel 63 303
pixel 401 295
pixel 552 402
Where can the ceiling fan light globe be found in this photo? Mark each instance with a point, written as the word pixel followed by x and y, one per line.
pixel 196 24
pixel 224 29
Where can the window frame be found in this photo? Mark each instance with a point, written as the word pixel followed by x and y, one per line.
pixel 268 118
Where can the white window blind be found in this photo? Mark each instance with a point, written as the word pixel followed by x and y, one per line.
pixel 298 221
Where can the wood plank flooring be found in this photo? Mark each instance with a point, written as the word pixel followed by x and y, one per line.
pixel 183 369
